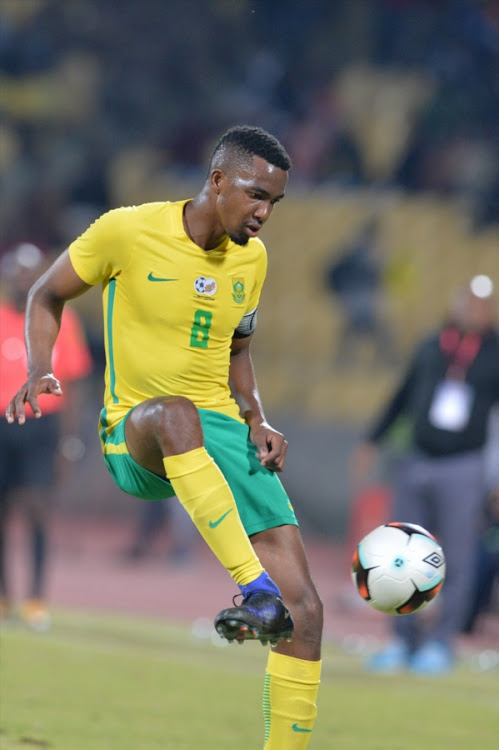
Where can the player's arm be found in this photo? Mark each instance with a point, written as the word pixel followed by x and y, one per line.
pixel 271 444
pixel 43 320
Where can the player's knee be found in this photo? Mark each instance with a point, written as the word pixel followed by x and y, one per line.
pixel 308 610
pixel 315 610
pixel 176 422
pixel 179 407
pixel 170 411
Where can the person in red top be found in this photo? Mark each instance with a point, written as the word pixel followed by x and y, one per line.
pixel 28 457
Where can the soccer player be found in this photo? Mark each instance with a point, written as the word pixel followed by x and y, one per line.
pixel 182 413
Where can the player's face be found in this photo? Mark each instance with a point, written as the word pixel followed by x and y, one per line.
pixel 246 198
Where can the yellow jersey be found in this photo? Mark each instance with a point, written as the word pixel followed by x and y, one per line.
pixel 170 308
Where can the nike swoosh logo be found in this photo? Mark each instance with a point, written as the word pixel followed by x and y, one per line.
pixel 296 728
pixel 151 277
pixel 214 524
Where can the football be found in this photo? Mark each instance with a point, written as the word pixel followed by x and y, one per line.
pixel 398 568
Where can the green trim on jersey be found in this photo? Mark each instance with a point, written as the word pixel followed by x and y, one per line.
pixel 109 322
pixel 259 494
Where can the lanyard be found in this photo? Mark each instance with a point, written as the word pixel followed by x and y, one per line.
pixel 460 350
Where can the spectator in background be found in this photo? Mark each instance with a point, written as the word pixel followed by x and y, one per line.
pixel 29 457
pixel 486 571
pixel 448 393
pixel 356 279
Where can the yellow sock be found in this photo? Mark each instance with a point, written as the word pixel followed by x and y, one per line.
pixel 289 708
pixel 205 494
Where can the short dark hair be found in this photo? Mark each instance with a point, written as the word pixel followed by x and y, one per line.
pixel 242 142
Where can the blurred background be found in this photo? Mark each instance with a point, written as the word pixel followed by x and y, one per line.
pixel 389 110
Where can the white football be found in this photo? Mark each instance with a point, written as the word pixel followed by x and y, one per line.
pixel 398 568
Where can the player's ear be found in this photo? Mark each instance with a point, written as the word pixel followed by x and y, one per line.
pixel 217 180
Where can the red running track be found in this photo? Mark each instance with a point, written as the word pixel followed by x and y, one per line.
pixel 88 572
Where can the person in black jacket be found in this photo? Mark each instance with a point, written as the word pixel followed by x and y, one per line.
pixel 447 394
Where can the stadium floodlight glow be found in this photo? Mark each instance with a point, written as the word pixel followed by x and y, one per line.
pixel 482 286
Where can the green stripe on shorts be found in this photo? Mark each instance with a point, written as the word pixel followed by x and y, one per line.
pixel 260 496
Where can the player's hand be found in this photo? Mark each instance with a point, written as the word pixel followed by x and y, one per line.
pixel 271 446
pixel 28 394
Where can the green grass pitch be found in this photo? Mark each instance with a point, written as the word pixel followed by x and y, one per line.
pixel 99 682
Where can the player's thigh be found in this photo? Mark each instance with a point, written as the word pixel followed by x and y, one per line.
pixel 162 426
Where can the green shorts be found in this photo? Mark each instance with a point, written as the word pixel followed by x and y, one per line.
pixel 260 497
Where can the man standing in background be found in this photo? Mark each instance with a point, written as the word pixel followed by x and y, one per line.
pixel 29 457
pixel 447 394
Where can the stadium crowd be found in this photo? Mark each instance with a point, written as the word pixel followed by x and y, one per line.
pixel 382 93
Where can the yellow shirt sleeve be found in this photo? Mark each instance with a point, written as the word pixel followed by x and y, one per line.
pixel 104 250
